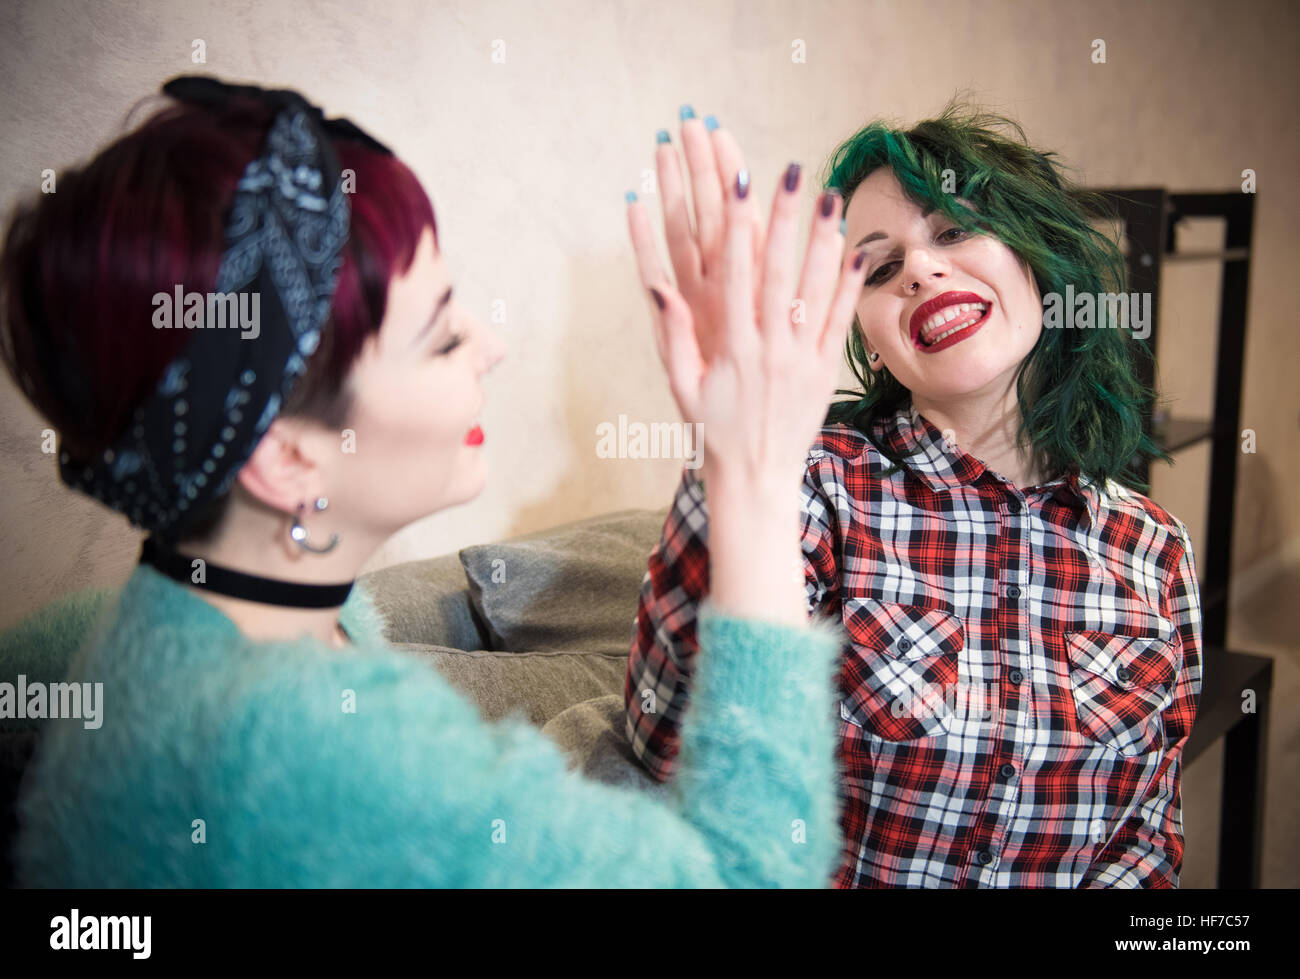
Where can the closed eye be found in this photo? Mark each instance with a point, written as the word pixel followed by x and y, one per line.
pixel 875 279
pixel 449 346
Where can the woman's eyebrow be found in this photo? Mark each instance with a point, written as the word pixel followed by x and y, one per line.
pixel 877 235
pixel 442 304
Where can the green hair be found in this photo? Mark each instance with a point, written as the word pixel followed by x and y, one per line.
pixel 1082 399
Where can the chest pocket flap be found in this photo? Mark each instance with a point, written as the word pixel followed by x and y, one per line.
pixel 905 658
pixel 1146 662
pixel 905 631
pixel 1121 685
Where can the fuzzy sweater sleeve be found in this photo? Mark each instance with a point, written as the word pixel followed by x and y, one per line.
pixel 407 785
pixel 41 645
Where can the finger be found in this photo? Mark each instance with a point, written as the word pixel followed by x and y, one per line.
pixel 648 268
pixel 778 261
pixel 673 326
pixel 683 362
pixel 730 159
pixel 822 264
pixel 706 189
pixel 840 317
pixel 639 227
pixel 741 335
pixel 682 248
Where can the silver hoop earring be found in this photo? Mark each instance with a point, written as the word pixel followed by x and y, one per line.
pixel 299 533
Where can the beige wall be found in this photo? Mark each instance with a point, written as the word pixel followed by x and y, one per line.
pixel 527 162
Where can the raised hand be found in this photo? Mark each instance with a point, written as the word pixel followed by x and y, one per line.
pixel 751 352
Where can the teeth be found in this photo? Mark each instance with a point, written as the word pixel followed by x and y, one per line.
pixel 947 315
pixel 946 334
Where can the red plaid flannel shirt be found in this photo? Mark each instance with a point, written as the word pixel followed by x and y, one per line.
pixel 1023 672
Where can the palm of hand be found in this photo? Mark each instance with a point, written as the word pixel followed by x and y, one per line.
pixel 757 378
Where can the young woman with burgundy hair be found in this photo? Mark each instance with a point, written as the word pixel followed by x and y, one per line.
pixel 257 730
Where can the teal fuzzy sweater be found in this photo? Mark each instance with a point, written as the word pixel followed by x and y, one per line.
pixel 227 762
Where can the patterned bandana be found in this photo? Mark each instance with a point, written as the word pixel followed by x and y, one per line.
pixel 285 235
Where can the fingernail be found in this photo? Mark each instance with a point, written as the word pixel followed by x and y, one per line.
pixel 828 203
pixel 685 112
pixel 742 184
pixel 792 177
pixel 858 259
pixel 662 136
pixel 710 123
pixel 659 299
pixel 630 197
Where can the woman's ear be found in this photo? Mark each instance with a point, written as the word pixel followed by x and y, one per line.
pixel 281 473
pixel 861 335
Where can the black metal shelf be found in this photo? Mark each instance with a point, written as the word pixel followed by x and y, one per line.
pixel 1181 433
pixel 1228 255
pixel 1150 218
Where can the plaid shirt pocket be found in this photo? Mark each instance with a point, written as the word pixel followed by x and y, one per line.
pixel 1121 686
pixel 902 671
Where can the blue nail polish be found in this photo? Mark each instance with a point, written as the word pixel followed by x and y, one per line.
pixel 685 112
pixel 662 136
pixel 630 197
pixel 710 123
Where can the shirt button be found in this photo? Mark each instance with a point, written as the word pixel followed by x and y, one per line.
pixel 1013 592
pixel 904 645
pixel 1015 676
pixel 984 857
pixel 1013 506
pixel 1008 770
pixel 1124 674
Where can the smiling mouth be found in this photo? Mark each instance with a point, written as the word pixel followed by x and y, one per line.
pixel 939 336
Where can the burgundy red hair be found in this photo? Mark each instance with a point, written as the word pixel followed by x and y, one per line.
pixel 80 266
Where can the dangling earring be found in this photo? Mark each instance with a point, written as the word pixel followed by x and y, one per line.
pixel 299 533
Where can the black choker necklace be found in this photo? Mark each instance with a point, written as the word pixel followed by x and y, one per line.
pixel 238 584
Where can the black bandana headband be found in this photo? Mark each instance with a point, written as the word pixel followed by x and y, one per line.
pixel 285 235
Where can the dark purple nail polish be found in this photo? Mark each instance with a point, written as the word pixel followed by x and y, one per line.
pixel 742 184
pixel 792 177
pixel 658 297
pixel 858 259
pixel 828 203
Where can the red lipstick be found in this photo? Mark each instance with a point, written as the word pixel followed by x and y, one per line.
pixel 932 306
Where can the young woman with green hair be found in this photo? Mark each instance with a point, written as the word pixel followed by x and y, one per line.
pixel 1025 625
